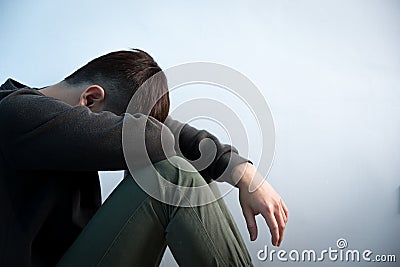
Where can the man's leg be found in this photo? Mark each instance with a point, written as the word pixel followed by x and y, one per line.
pixel 133 229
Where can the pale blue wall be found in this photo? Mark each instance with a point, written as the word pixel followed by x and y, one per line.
pixel 329 69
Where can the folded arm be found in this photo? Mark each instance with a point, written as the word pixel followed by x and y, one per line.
pixel 187 145
pixel 239 172
pixel 42 133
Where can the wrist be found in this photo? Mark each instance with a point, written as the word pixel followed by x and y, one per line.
pixel 242 174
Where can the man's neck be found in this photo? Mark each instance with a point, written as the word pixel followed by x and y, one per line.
pixel 63 92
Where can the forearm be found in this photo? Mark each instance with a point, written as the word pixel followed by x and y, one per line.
pixel 187 144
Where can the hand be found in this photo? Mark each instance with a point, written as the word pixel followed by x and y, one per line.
pixel 264 200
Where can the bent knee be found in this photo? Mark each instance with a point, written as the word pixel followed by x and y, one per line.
pixel 179 171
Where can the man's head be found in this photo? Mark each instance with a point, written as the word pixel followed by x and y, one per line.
pixel 109 82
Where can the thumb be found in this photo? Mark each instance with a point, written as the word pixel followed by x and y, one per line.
pixel 251 223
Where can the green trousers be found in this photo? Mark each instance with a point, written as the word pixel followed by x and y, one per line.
pixel 134 229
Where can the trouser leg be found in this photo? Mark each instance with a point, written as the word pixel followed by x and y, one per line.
pixel 133 229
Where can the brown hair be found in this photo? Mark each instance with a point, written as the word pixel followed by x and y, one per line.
pixel 121 74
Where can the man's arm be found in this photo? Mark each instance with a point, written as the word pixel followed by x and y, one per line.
pixel 42 133
pixel 187 144
pixel 239 172
pixel 264 200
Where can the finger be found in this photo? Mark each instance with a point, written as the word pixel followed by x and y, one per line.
pixel 281 225
pixel 285 209
pixel 283 214
pixel 272 225
pixel 251 224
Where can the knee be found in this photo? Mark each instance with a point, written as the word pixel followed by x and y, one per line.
pixel 176 182
pixel 189 188
pixel 179 171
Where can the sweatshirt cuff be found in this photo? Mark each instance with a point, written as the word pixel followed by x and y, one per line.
pixel 227 162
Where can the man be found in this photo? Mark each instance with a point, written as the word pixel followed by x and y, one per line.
pixel 55 139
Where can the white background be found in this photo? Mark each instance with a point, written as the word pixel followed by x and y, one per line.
pixel 330 71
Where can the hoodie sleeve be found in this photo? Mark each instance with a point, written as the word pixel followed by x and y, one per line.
pixel 42 133
pixel 220 158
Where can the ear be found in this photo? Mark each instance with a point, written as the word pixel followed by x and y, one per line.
pixel 93 98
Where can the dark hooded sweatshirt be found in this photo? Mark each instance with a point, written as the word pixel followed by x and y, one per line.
pixel 50 153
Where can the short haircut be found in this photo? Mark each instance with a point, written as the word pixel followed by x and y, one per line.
pixel 120 74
